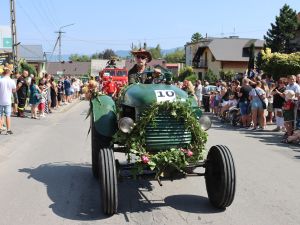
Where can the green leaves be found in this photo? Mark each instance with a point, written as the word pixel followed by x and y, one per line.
pixel 177 158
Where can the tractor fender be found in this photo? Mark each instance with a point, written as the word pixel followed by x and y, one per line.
pixel 104 115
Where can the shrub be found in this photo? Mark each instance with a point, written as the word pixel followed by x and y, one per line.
pixel 210 76
pixel 280 64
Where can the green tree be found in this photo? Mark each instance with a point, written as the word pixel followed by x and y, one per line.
pixel 79 58
pixel 108 53
pixel 251 58
pixel 185 72
pixel 97 55
pixel 227 75
pixel 85 58
pixel 279 36
pixel 279 64
pixel 74 57
pixel 210 76
pixel 259 62
pixel 196 37
pixel 176 57
pixel 23 65
pixel 156 52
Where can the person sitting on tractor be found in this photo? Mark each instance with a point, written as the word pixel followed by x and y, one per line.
pixel 135 74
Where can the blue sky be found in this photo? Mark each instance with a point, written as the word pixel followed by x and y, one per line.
pixel 99 24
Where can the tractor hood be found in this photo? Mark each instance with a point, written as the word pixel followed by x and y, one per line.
pixel 143 95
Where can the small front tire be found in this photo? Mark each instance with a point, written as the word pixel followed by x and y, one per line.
pixel 108 181
pixel 220 176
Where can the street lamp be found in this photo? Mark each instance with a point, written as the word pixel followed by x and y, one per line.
pixel 59 38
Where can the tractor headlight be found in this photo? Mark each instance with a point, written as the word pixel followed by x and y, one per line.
pixel 126 124
pixel 205 122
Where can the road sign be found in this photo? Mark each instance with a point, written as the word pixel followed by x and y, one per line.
pixel 7 42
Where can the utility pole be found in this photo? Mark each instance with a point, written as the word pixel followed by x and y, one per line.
pixel 59 39
pixel 14 35
pixel 59 44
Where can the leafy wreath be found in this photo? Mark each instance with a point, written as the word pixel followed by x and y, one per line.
pixel 178 158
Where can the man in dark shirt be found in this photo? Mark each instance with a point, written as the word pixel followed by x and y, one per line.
pixel 142 57
pixel 22 90
pixel 244 101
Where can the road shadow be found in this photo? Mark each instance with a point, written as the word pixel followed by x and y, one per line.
pixel 72 189
pixel 75 193
pixel 191 204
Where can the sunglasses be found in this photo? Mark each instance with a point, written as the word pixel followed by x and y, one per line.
pixel 141 57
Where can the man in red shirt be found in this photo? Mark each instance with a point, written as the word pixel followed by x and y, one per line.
pixel 110 88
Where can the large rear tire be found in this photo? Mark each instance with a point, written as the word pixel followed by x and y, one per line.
pixel 95 149
pixel 98 141
pixel 220 176
pixel 108 181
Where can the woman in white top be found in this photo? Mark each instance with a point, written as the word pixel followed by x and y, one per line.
pixel 198 92
pixel 257 95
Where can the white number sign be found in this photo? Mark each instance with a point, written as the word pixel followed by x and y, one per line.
pixel 165 95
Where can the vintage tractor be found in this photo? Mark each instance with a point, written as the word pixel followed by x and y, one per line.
pixel 162 130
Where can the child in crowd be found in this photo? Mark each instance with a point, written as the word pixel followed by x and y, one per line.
pixel 212 100
pixel 43 98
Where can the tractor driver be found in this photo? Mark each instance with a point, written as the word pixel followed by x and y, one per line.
pixel 142 57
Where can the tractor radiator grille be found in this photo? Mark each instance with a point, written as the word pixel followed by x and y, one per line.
pixel 166 132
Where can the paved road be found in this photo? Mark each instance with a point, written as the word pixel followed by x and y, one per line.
pixel 46 178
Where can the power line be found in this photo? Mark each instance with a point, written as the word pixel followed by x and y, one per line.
pixel 42 15
pixel 47 13
pixel 52 11
pixel 32 22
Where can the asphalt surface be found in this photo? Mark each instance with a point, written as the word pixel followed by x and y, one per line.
pixel 45 173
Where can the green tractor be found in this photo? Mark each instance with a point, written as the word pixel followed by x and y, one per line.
pixel 161 129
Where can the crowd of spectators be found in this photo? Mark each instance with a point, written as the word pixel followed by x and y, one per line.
pixel 259 99
pixel 43 96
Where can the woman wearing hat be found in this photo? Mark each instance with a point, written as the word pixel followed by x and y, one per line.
pixel 142 57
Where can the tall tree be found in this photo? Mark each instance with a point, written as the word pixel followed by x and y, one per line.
pixel 156 52
pixel 108 53
pixel 196 37
pixel 176 57
pixel 251 58
pixel 97 55
pixel 279 36
pixel 79 58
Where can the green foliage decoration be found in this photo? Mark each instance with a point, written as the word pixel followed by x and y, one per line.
pixel 177 158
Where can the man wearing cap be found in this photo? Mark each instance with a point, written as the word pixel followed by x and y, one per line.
pixel 141 57
pixel 7 87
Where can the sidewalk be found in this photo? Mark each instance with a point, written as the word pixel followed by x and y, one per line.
pixel 21 125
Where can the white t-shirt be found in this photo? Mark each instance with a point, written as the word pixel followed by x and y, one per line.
pixel 6 87
pixel 294 87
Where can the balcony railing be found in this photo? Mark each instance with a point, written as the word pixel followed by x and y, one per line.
pixel 200 64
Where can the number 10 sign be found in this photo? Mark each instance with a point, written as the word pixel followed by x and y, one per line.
pixel 165 95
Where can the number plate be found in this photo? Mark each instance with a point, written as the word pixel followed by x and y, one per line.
pixel 165 95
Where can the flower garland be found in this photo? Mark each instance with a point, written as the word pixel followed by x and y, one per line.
pixel 177 158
